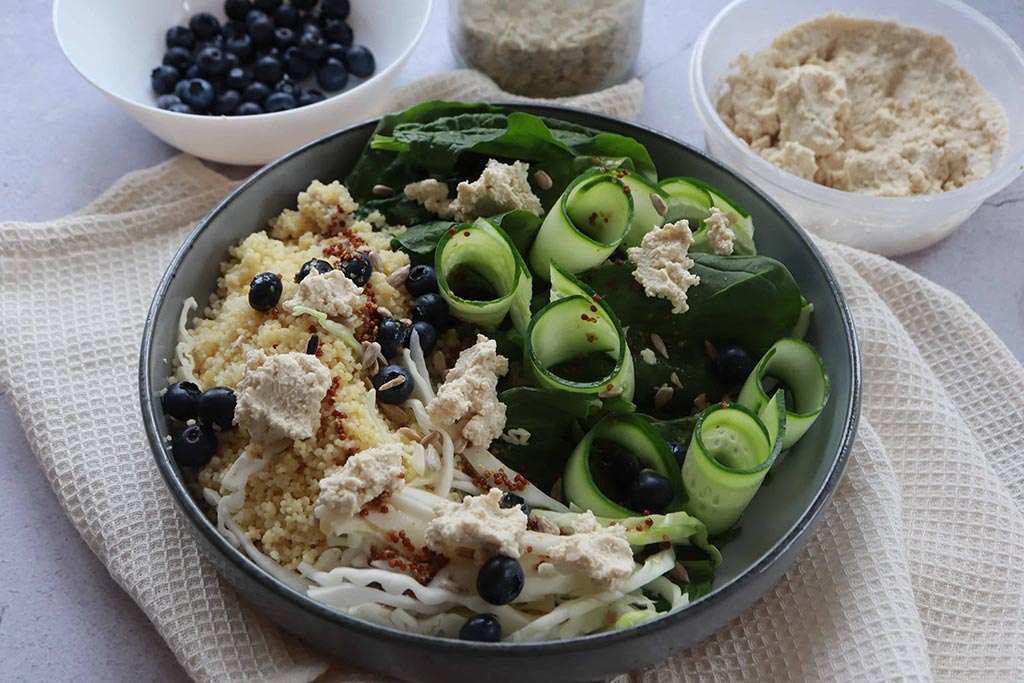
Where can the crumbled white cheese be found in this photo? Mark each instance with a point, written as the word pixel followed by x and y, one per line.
pixel 365 476
pixel 331 293
pixel 433 195
pixel 662 263
pixel 468 398
pixel 279 396
pixel 601 553
pixel 648 356
pixel 500 188
pixel 720 235
pixel 479 523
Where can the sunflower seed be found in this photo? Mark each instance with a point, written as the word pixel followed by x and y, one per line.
pixel 439 363
pixel 710 348
pixel 430 438
pixel 392 383
pixel 662 396
pixel 386 312
pixel 675 380
pixel 659 204
pixel 546 526
pixel 383 191
pixel 679 573
pixel 610 392
pixel 399 276
pixel 396 415
pixel 648 356
pixel 375 261
pixel 404 431
pixel 544 181
pixel 659 344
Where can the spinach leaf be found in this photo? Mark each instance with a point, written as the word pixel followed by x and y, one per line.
pixel 423 238
pixel 521 226
pixel 680 428
pixel 397 210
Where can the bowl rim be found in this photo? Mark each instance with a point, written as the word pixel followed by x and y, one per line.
pixel 797 535
pixel 395 65
pixel 972 193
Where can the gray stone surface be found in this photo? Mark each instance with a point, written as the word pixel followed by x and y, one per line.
pixel 62 143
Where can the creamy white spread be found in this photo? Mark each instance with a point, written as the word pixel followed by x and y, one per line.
pixel 468 399
pixel 601 553
pixel 279 396
pixel 500 188
pixel 365 476
pixel 662 263
pixel 332 293
pixel 720 235
pixel 478 523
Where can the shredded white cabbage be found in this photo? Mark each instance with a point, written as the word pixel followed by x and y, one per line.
pixel 183 349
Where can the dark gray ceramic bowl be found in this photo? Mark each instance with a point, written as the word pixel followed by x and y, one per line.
pixel 778 523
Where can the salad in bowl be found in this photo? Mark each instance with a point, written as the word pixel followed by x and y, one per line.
pixel 500 383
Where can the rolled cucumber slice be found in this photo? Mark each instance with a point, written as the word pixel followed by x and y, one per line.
pixel 586 225
pixel 686 200
pixel 634 434
pixel 743 225
pixel 730 453
pixel 645 214
pixel 485 249
pixel 800 368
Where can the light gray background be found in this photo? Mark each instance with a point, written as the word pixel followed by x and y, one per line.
pixel 62 143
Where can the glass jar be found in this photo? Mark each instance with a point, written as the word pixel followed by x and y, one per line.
pixel 547 48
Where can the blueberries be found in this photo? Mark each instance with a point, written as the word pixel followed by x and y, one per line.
pixel 240 45
pixel 204 25
pixel 268 70
pixel 313 47
pixel 194 446
pixel 421 280
pixel 226 103
pixel 180 36
pixel 256 92
pixel 180 108
pixel 313 16
pixel 430 308
pixel 359 61
pixel 304 4
pixel 167 101
pixel 358 269
pixel 234 27
pixel 261 28
pixel 284 38
pixel 198 94
pixel 237 9
pixel 164 78
pixel 248 109
pixel 332 74
pixel 210 61
pixel 510 500
pixel 651 492
pixel 311 96
pixel 267 6
pixel 395 393
pixel 286 16
pixel 483 628
pixel 391 334
pixel 624 468
pixel 678 449
pixel 217 407
pixel 238 79
pixel 733 364
pixel 313 345
pixel 286 85
pixel 337 31
pixel 336 50
pixel 295 63
pixel 500 580
pixel 426 336
pixel 335 9
pixel 181 400
pixel 191 72
pixel 320 265
pixel 178 57
pixel 265 291
pixel 179 88
pixel 279 101
pixel 231 61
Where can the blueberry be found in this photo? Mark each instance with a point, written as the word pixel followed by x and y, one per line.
pixel 483 628
pixel 198 94
pixel 256 92
pixel 426 336
pixel 290 87
pixel 180 36
pixel 337 51
pixel 238 79
pixel 304 4
pixel 217 41
pixel 210 61
pixel 181 400
pixel 651 492
pixel 248 109
pixel 267 6
pixel 167 101
pixel 311 97
pixel 279 101
pixel 510 500
pixel 268 70
pixel 231 61
pixel 295 63
pixel 180 108
pixel 337 31
pixel 500 580
pixel 398 392
pixel 261 28
pixel 240 45
pixel 678 450
pixel 226 103
pixel 335 9
pixel 430 308
pixel 320 265
pixel 191 72
pixel 265 291
pixel 359 61
pixel 194 446
pixel 309 29
pixel 179 88
pixel 204 25
pixel 217 407
pixel 421 280
pixel 623 470
pixel 358 269
pixel 734 364
pixel 237 9
pixel 391 334
pixel 178 57
pixel 286 16
pixel 234 27
pixel 332 74
pixel 313 47
pixel 314 16
pixel 164 78
pixel 313 345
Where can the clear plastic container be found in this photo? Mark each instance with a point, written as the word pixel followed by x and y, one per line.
pixel 547 48
pixel 885 225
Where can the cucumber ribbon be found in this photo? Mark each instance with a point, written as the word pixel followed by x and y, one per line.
pixel 693 200
pixel 486 250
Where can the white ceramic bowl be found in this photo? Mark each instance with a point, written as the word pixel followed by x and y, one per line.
pixel 885 225
pixel 115 44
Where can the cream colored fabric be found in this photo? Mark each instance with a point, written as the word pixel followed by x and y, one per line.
pixel 916 574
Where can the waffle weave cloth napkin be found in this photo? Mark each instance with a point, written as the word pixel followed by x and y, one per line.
pixel 915 574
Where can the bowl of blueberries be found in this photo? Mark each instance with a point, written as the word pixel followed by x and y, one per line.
pixel 241 81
